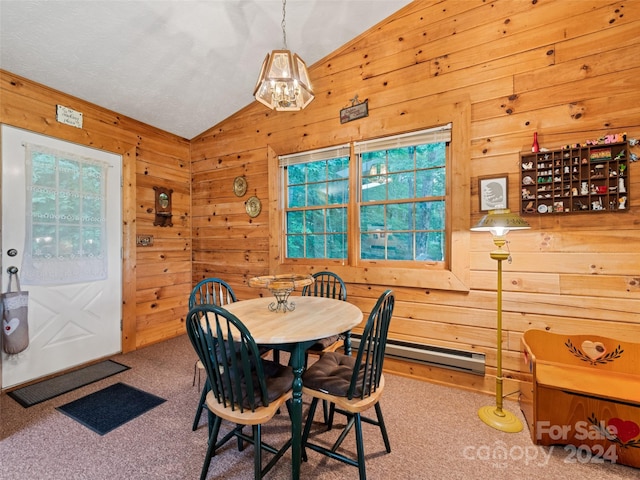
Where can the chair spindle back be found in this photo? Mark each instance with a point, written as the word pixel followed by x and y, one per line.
pixel 326 284
pixel 370 355
pixel 230 357
pixel 213 291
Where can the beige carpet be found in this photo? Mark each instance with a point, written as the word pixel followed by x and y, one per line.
pixel 434 431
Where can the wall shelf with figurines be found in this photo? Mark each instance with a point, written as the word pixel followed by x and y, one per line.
pixel 589 177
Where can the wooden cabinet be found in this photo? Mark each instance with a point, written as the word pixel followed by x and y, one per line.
pixel 589 179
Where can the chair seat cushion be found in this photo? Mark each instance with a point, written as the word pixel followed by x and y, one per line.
pixel 332 374
pixel 279 380
pixel 324 343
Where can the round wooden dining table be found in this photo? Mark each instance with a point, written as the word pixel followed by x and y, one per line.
pixel 295 331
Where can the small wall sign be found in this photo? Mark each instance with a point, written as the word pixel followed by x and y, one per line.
pixel 355 111
pixel 68 116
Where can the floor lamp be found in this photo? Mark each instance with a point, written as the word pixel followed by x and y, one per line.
pixel 499 222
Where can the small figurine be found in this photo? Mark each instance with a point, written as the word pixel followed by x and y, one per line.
pixel 584 188
pixel 621 187
pixel 622 203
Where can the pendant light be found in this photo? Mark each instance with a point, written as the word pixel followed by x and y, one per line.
pixel 284 81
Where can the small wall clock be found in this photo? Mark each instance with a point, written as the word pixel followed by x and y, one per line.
pixel 163 207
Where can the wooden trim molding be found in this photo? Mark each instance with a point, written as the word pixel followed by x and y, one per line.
pixel 455 276
pixel 129 285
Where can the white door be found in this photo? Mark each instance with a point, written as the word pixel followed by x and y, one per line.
pixel 70 323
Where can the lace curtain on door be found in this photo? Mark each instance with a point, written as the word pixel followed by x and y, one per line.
pixel 66 237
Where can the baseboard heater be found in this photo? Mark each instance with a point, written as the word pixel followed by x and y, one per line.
pixel 459 360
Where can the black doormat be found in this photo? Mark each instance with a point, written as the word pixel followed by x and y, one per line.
pixel 111 407
pixel 52 387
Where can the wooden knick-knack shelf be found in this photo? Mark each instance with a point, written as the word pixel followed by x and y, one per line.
pixel 592 178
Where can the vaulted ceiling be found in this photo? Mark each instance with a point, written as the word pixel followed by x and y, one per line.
pixel 179 65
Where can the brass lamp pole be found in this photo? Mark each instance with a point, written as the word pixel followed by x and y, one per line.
pixel 499 222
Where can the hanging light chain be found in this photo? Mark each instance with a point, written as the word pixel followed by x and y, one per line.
pixel 284 24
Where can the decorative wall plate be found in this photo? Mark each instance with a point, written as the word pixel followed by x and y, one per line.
pixel 253 207
pixel 239 186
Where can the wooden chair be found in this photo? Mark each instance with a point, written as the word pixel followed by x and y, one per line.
pixel 352 385
pixel 210 291
pixel 328 285
pixel 245 389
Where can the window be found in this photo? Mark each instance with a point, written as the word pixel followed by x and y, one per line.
pixel 66 218
pixel 416 213
pixel 402 202
pixel 317 193
pixel 401 199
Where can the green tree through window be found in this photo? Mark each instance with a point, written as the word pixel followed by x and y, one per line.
pixel 401 199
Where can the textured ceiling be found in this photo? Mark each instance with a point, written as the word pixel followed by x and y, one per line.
pixel 179 65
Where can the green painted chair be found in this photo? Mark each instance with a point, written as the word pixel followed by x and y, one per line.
pixel 245 389
pixel 210 291
pixel 352 385
pixel 328 285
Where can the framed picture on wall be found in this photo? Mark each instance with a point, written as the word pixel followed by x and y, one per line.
pixel 493 192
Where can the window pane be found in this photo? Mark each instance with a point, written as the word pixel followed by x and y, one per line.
pixel 92 241
pixel 69 207
pixel 337 220
pixel 91 179
pixel 296 174
pixel 372 246
pixel 372 218
pixel 401 159
pixel 43 205
pixel 401 185
pixel 338 192
pixel 316 171
pixel 297 196
pixel 400 216
pixel 430 246
pixel 400 246
pixel 431 155
pixel 315 246
pixel 314 221
pixel 295 222
pixel 69 175
pixel 69 240
pixel 337 246
pixel 430 182
pixel 338 168
pixel 91 211
pixel 295 246
pixel 44 240
pixel 317 194
pixel 430 215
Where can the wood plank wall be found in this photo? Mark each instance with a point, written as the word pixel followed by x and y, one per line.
pixel 568 70
pixel 157 279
